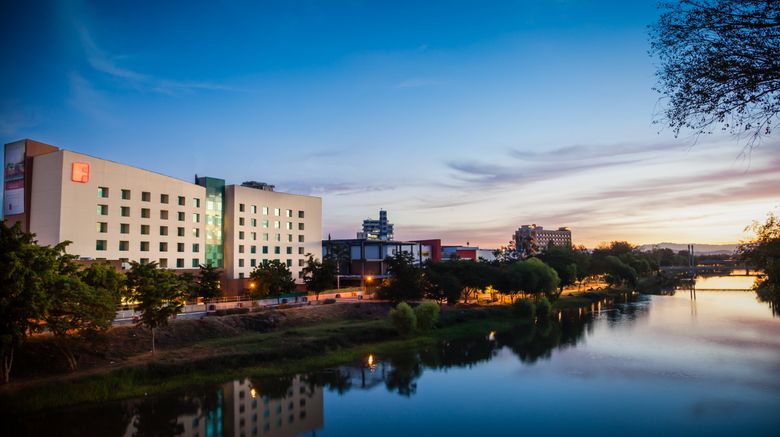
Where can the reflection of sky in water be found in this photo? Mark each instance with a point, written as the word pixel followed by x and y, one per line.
pixel 675 367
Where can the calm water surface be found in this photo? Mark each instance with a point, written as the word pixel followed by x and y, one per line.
pixel 659 365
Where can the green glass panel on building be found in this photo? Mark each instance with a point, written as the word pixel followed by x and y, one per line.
pixel 215 211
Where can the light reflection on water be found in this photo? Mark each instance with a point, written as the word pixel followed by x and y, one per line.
pixel 657 365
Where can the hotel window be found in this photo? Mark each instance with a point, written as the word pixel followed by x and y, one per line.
pixel 146 213
pixel 163 246
pixel 196 232
pixel 180 232
pixel 253 222
pixel 195 217
pixel 163 263
pixel 300 214
pixel 289 226
pixel 277 224
pixel 180 262
pixel 277 250
pixel 182 201
pixel 300 251
pixel 144 229
pixel 180 247
pixel 300 226
pixel 252 249
pixel 289 263
pixel 124 228
pixel 180 216
pixel 265 249
pixel 289 238
pixel 265 224
pixel 163 214
pixel 163 198
pixel 289 250
pixel 124 211
pixel 300 238
pixel 265 210
pixel 265 237
pixel 254 209
pixel 124 246
pixel 240 207
pixel 146 196
pixel 163 230
pixel 240 235
pixel 241 264
pixel 288 213
pixel 240 248
pixel 102 209
pixel 241 221
pixel 300 264
pixel 103 192
pixel 253 263
pixel 144 261
pixel 102 227
pixel 254 236
pixel 100 245
pixel 195 263
pixel 144 246
pixel 195 247
pixel 265 261
pixel 125 194
pixel 196 202
pixel 278 237
pixel 276 211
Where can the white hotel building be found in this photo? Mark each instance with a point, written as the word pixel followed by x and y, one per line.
pixel 113 211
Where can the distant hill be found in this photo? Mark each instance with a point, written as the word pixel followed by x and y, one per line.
pixel 703 249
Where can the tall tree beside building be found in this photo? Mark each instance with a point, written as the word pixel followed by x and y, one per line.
pixel 25 269
pixel 406 280
pixel 719 65
pixel 319 276
pixel 271 280
pixel 160 294
pixel 207 285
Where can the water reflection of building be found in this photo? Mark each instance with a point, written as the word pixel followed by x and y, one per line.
pixel 241 409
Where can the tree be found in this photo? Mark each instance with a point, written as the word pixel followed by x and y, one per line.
pixel 159 294
pixel 540 279
pixel 406 281
pixel 319 276
pixel 271 280
pixel 719 65
pixel 619 273
pixel 25 269
pixel 440 283
pixel 83 302
pixel 563 259
pixel 763 252
pixel 207 284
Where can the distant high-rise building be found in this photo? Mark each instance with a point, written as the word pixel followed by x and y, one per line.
pixel 377 229
pixel 531 239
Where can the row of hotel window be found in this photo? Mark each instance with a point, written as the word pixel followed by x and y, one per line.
pixel 147 197
pixel 124 211
pixel 124 246
pixel 265 224
pixel 195 263
pixel 124 228
pixel 265 210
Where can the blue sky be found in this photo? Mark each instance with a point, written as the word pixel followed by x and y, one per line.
pixel 463 119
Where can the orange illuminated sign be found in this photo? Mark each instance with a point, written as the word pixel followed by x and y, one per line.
pixel 80 172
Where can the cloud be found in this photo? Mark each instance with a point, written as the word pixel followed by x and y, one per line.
pixel 104 63
pixel 85 98
pixel 332 188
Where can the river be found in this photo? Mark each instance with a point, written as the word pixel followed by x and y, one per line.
pixel 654 365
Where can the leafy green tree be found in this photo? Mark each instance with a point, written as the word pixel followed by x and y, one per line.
pixel 403 318
pixel 563 259
pixel 319 275
pixel 540 279
pixel 427 315
pixel 271 280
pixel 25 270
pixel 719 65
pixel 762 252
pixel 207 284
pixel 84 302
pixel 441 284
pixel 620 273
pixel 406 279
pixel 159 294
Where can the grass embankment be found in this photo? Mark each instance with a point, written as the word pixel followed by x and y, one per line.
pixel 286 351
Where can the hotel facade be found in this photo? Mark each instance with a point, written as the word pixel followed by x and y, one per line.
pixel 112 211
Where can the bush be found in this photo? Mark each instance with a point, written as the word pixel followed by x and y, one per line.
pixel 328 301
pixel 524 308
pixel 543 308
pixel 403 318
pixel 427 314
pixel 231 311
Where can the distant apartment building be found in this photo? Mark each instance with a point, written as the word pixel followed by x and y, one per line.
pixel 113 211
pixel 380 229
pixel 533 238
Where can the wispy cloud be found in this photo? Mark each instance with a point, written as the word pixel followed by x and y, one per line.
pixel 332 188
pixel 107 64
pixel 85 98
